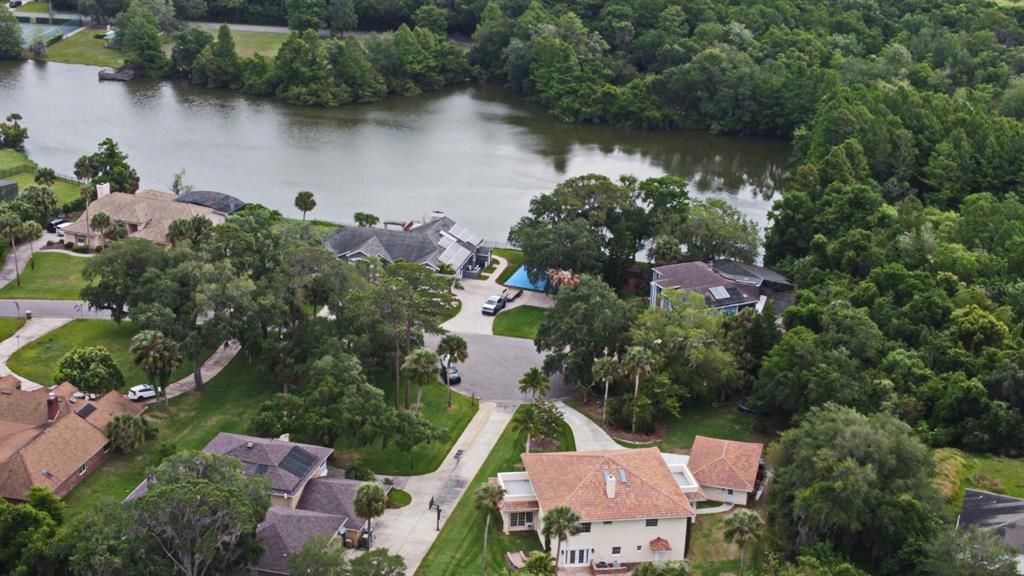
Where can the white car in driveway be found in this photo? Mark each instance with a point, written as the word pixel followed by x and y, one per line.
pixel 141 392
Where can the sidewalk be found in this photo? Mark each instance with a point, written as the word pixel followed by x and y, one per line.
pixel 589 436
pixel 213 365
pixel 24 252
pixel 411 531
pixel 31 331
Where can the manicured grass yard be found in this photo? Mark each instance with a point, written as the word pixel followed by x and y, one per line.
pixel 399 498
pixel 514 259
pixel 38 361
pixel 84 48
pixel 54 277
pixel 35 7
pixel 426 457
pixel 724 421
pixel 227 404
pixel 8 326
pixel 519 322
pixel 65 191
pixel 995 474
pixel 458 549
pixel 250 43
pixel 12 159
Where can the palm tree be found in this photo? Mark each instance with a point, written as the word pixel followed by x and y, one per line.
pixel 486 499
pixel 561 522
pixel 10 228
pixel 370 503
pixel 419 367
pixel 743 527
pixel 126 433
pixel 540 564
pixel 158 357
pixel 305 202
pixel 31 231
pixel 101 223
pixel 527 419
pixel 605 370
pixel 45 176
pixel 456 349
pixel 638 360
pixel 534 382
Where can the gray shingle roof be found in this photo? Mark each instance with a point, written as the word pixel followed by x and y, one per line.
pixel 423 244
pixel 284 531
pixel 218 201
pixel 749 273
pixel 286 464
pixel 332 495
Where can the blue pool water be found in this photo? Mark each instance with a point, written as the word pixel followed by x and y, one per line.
pixel 521 280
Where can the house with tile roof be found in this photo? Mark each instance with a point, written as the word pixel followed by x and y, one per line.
pixel 436 243
pixel 726 470
pixel 634 506
pixel 725 285
pixel 146 214
pixel 999 513
pixel 53 437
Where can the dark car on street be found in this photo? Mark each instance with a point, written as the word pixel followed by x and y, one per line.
pixel 14 3
pixel 52 226
pixel 453 375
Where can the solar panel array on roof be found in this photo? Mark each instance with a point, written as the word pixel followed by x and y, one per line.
pixel 297 462
pixel 454 255
pixel 86 410
pixel 719 292
pixel 446 241
pixel 464 234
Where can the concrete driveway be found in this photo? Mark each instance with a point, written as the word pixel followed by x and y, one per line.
pixel 495 365
pixel 470 320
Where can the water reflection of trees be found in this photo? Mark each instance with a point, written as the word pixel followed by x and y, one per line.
pixel 710 163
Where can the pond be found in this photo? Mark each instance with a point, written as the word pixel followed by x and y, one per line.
pixel 478 153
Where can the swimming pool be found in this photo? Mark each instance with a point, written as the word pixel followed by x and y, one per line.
pixel 522 280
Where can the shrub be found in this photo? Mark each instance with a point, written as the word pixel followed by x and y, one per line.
pixel 76 205
pixel 69 245
pixel 80 249
pixel 358 471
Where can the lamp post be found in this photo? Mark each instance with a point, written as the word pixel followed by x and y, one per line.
pixel 436 507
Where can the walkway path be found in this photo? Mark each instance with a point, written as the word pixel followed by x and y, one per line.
pixel 23 253
pixel 51 309
pixel 588 435
pixel 31 331
pixel 410 531
pixel 724 507
pixel 213 365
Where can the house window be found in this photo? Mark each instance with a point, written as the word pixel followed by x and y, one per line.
pixel 639 548
pixel 80 239
pixel 520 519
pixel 81 470
pixel 606 522
pixel 585 527
pixel 616 550
pixel 652 522
pixel 729 491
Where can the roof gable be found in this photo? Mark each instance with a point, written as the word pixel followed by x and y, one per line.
pixel 284 531
pixel 288 465
pixel 725 463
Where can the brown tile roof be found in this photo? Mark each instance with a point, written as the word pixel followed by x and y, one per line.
pixel 519 505
pixel 106 407
pixel 150 210
pixel 725 463
pixel 659 544
pixel 331 495
pixel 288 465
pixel 53 456
pixel 284 531
pixel 577 480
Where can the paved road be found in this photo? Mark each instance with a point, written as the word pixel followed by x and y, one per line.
pixel 411 531
pixel 51 309
pixel 495 365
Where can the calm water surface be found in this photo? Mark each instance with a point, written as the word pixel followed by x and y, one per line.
pixel 479 153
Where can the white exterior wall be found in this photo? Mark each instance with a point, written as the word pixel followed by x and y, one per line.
pixel 722 495
pixel 627 535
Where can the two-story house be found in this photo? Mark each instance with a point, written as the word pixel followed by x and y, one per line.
pixel 725 285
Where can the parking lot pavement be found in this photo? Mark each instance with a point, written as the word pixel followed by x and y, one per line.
pixel 495 365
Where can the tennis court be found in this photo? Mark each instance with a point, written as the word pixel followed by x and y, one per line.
pixel 34 32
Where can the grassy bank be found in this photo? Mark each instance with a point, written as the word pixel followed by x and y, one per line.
pixel 38 361
pixel 65 191
pixel 519 322
pixel 48 276
pixel 251 43
pixel 514 259
pixel 227 404
pixel 85 48
pixel 424 458
pixel 13 159
pixel 458 549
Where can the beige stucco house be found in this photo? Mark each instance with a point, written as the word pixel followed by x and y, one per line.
pixel 726 470
pixel 633 508
pixel 146 214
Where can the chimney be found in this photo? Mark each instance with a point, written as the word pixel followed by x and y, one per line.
pixel 52 407
pixel 248 445
pixel 436 215
pixel 102 190
pixel 609 484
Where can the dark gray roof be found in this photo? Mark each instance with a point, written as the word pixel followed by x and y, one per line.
pixel 286 464
pixel 214 200
pixel 331 495
pixel 427 243
pixel 284 531
pixel 749 273
pixel 702 278
pixel 1004 514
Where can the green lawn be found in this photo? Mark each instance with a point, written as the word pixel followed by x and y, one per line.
pixel 65 191
pixel 13 159
pixel 8 326
pixel 514 259
pixel 457 550
pixel 227 404
pixel 35 7
pixel 251 43
pixel 995 474
pixel 38 361
pixel 398 498
pixel 48 276
pixel 426 457
pixel 84 48
pixel 519 322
